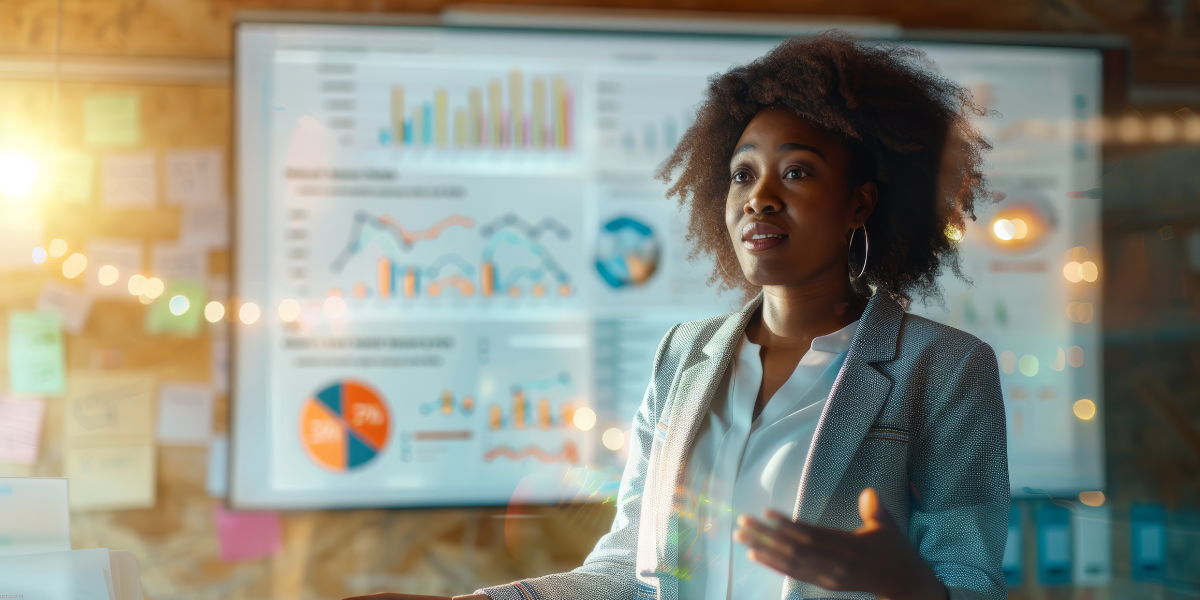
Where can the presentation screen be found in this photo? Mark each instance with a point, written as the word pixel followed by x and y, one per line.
pixel 453 263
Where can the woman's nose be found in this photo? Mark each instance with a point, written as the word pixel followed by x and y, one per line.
pixel 764 199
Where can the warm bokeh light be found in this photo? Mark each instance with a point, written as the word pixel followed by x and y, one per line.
pixel 214 311
pixel 179 305
pixel 1075 356
pixel 1092 498
pixel 154 288
pixel 249 313
pixel 17 174
pixel 1073 271
pixel 1084 409
pixel 108 275
pixel 1020 229
pixel 57 248
pixel 1004 229
pixel 1162 129
pixel 136 284
pixel 289 310
pixel 334 307
pixel 1130 129
pixel 1060 360
pixel 1085 312
pixel 74 265
pixel 144 299
pixel 613 439
pixel 1088 271
pixel 1028 365
pixel 584 418
pixel 953 233
pixel 1008 361
pixel 39 255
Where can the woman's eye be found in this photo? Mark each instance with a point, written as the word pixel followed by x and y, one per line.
pixel 741 176
pixel 794 174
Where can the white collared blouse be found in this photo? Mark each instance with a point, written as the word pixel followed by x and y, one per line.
pixel 741 465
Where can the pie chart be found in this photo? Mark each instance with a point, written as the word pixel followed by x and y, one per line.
pixel 344 426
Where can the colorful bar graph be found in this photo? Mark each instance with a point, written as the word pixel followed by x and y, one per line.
pixel 410 283
pixel 385 278
pixel 487 278
pixel 518 409
pixel 515 113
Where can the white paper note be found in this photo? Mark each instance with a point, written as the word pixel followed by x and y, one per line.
pixel 73 305
pixel 185 414
pixel 173 262
pixel 113 478
pixel 20 429
pixel 109 440
pixel 125 255
pixel 195 177
pixel 33 515
pixel 130 181
pixel 205 226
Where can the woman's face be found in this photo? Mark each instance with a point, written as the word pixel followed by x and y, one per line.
pixel 790 206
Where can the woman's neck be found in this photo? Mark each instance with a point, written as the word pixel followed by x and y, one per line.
pixel 792 315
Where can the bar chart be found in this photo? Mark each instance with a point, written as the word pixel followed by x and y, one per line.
pixel 515 112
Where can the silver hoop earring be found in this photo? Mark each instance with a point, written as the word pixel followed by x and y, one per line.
pixel 866 250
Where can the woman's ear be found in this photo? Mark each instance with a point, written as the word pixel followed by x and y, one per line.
pixel 862 203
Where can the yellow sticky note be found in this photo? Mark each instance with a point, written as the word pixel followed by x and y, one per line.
pixel 72 178
pixel 110 478
pixel 112 120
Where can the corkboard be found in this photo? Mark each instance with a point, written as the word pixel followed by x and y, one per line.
pixel 325 554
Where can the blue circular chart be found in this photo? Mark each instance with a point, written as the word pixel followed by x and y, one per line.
pixel 627 253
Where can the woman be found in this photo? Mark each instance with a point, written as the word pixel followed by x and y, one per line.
pixel 860 449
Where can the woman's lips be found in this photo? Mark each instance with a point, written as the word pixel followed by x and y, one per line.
pixel 758 236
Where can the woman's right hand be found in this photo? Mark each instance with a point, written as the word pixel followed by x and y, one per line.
pixel 390 596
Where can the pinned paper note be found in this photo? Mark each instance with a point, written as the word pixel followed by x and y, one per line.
pixel 173 262
pixel 185 414
pixel 72 305
pixel 33 515
pixel 69 179
pixel 195 177
pixel 247 535
pixel 35 353
pixel 205 226
pixel 112 120
pixel 20 429
pixel 179 311
pixel 125 255
pixel 109 440
pixel 129 181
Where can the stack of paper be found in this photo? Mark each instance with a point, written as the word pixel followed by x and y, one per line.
pixel 36 560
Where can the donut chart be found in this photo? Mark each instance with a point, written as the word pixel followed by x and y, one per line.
pixel 344 426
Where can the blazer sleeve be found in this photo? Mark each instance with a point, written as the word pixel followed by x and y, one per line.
pixel 609 572
pixel 959 474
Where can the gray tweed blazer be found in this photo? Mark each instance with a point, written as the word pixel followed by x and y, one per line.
pixel 915 413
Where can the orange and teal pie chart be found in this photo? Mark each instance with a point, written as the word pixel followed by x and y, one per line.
pixel 344 426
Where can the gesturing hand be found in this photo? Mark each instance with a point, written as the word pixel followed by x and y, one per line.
pixel 876 558
pixel 390 596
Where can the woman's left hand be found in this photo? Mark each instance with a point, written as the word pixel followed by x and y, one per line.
pixel 876 558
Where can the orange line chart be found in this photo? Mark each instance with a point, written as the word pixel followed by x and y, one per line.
pixel 412 237
pixel 568 454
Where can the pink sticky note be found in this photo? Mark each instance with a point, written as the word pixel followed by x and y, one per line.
pixel 20 429
pixel 247 535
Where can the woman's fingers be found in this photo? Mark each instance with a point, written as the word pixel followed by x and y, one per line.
pixel 824 573
pixel 809 534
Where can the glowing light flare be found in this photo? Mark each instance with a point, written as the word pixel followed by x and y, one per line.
pixel 249 313
pixel 39 255
pixel 1075 356
pixel 108 275
pixel 1084 409
pixel 1073 271
pixel 74 265
pixel 1004 229
pixel 144 299
pixel 1020 229
pixel 17 174
pixel 1089 271
pixel 1028 365
pixel 57 248
pixel 179 305
pixel 584 418
pixel 334 307
pixel 953 233
pixel 1008 361
pixel 1060 360
pixel 289 310
pixel 154 288
pixel 1092 498
pixel 1130 129
pixel 613 439
pixel 136 284
pixel 1162 129
pixel 214 311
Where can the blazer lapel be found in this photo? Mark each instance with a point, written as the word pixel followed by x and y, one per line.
pixel 854 403
pixel 687 407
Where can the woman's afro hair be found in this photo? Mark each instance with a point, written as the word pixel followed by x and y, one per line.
pixel 907 129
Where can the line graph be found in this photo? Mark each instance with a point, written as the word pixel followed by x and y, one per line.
pixel 568 454
pixel 369 228
pixel 529 230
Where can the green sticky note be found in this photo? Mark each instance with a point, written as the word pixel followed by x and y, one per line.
pixel 74 173
pixel 112 120
pixel 188 298
pixel 35 353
